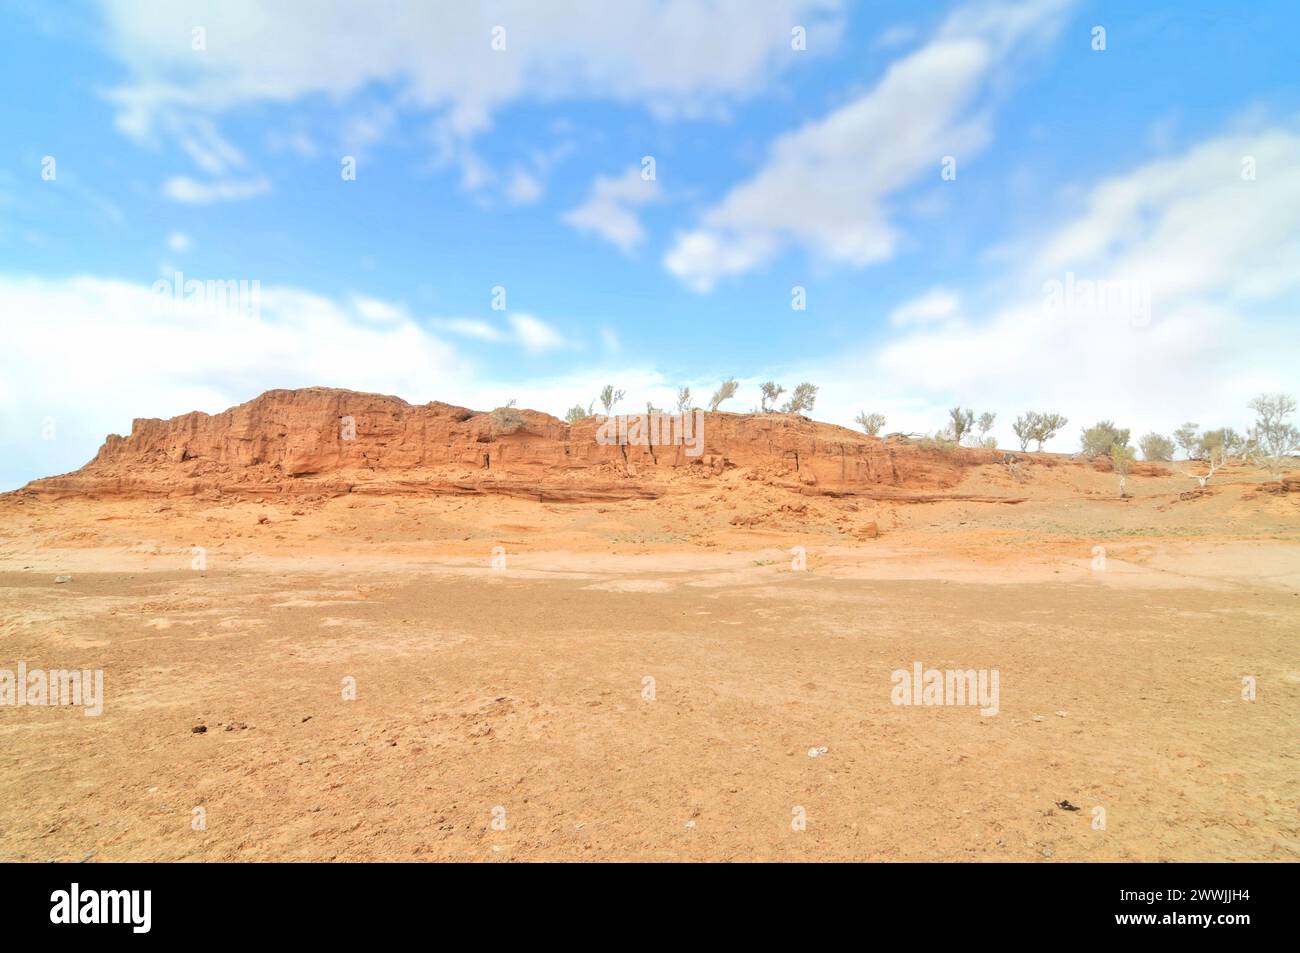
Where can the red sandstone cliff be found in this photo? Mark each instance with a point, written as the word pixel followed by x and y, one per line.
pixel 299 442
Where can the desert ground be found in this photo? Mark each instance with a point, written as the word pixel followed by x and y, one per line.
pixel 664 679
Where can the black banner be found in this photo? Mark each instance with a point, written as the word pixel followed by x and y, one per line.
pixel 142 902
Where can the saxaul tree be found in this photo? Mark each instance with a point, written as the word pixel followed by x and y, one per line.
pixel 871 424
pixel 726 390
pixel 960 423
pixel 801 399
pixel 770 392
pixel 1121 461
pixel 1038 427
pixel 609 397
pixel 577 412
pixel 1156 446
pixel 1273 438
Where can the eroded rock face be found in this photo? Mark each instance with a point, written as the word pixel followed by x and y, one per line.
pixel 323 440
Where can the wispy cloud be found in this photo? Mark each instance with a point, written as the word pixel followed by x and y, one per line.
pixel 608 210
pixel 825 185
pixel 182 188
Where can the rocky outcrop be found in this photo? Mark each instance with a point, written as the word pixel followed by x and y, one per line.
pixel 327 441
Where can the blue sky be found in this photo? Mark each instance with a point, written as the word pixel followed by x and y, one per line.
pixel 521 168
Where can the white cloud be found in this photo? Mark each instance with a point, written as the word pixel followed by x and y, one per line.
pixel 1221 260
pixel 470 328
pixel 93 354
pixel 534 334
pixel 179 242
pixel 678 57
pixel 200 140
pixel 931 307
pixel 182 188
pixel 524 189
pixel 608 209
pixel 377 311
pixel 825 185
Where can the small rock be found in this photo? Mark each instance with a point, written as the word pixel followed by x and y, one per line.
pixel 1066 806
pixel 199 729
pixel 817 752
pixel 62 579
pixel 1061 713
pixel 1038 718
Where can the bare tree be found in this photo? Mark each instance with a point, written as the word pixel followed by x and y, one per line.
pixel 1215 456
pixel 771 391
pixel 870 423
pixel 725 392
pixel 683 399
pixel 1272 437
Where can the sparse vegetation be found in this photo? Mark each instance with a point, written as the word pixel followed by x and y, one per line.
pixel 1156 447
pixel 683 399
pixel 726 390
pixel 801 400
pixel 1273 438
pixel 576 412
pixel 985 424
pixel 871 424
pixel 1099 439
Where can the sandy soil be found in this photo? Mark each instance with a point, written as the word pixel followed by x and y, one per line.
pixel 522 689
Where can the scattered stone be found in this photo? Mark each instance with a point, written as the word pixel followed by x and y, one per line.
pixel 58 579
pixel 817 752
pixel 199 729
pixel 1038 718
